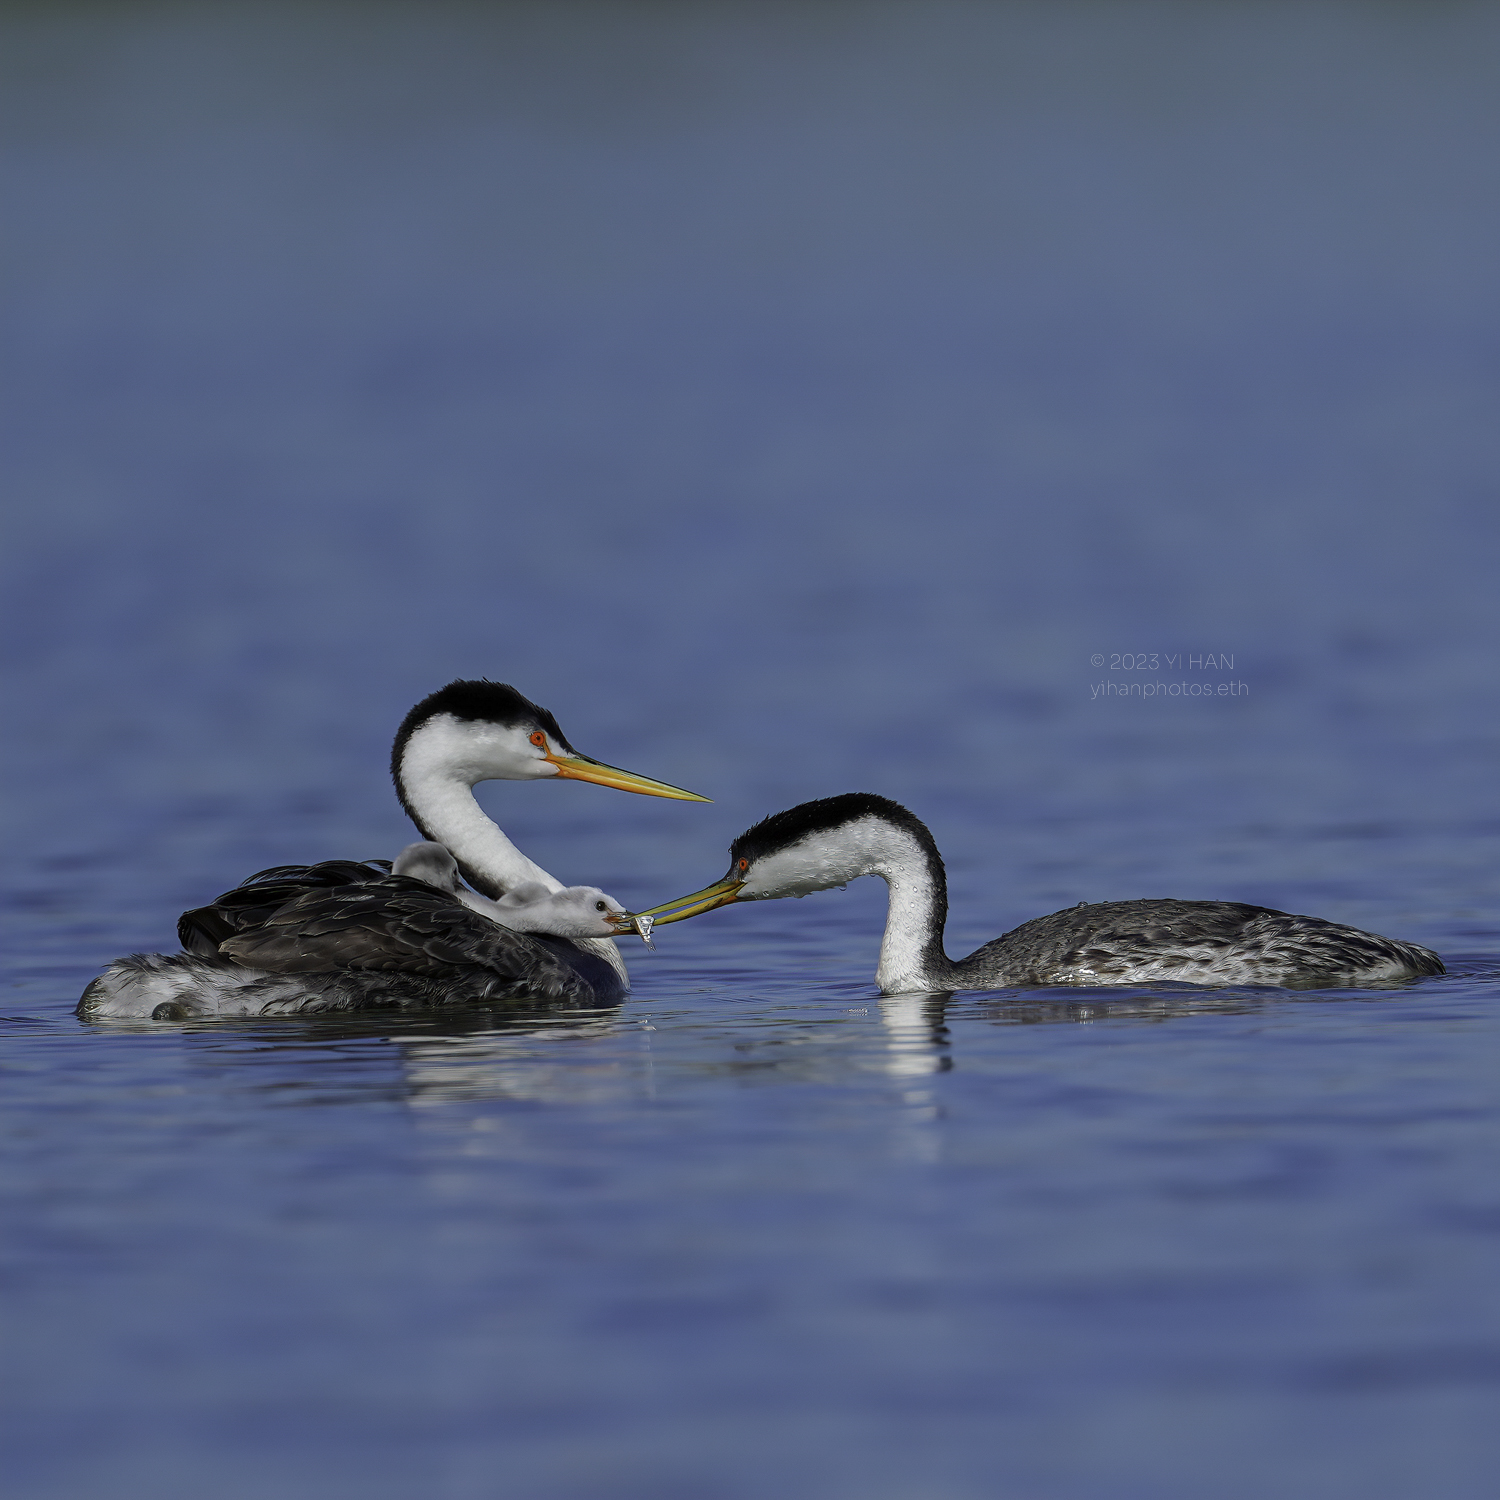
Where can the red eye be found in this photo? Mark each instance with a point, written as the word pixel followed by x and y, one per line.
pixel 744 865
pixel 539 739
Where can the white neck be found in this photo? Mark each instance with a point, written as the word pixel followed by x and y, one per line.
pixel 911 952
pixel 446 811
pixel 437 781
pixel 912 920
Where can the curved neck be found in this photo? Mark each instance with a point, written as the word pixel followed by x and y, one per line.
pixel 437 790
pixel 439 798
pixel 911 951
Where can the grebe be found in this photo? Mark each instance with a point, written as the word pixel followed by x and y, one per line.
pixel 575 911
pixel 817 845
pixel 351 935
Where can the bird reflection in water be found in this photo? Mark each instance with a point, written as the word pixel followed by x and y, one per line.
pixel 916 1035
pixel 524 1065
pixel 917 1047
pixel 606 1055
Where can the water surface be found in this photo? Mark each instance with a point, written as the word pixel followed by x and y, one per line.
pixel 794 402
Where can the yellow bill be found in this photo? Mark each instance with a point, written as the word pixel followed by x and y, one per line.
pixel 721 893
pixel 586 768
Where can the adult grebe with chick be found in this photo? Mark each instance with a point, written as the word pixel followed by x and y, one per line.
pixel 345 935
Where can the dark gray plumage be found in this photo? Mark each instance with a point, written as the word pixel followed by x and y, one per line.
pixel 362 939
pixel 180 986
pixel 395 924
pixel 1197 942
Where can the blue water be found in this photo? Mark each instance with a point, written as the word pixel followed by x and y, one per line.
pixel 794 401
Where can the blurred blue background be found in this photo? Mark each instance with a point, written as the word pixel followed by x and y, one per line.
pixel 793 399
pixel 802 394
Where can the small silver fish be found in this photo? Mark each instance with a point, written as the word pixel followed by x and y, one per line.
pixel 643 926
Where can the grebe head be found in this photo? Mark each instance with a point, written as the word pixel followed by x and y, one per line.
pixel 430 863
pixel 810 847
pixel 486 731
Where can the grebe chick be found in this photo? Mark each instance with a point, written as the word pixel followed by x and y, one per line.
pixel 576 911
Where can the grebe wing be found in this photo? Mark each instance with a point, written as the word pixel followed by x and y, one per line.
pixel 396 925
pixel 247 906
